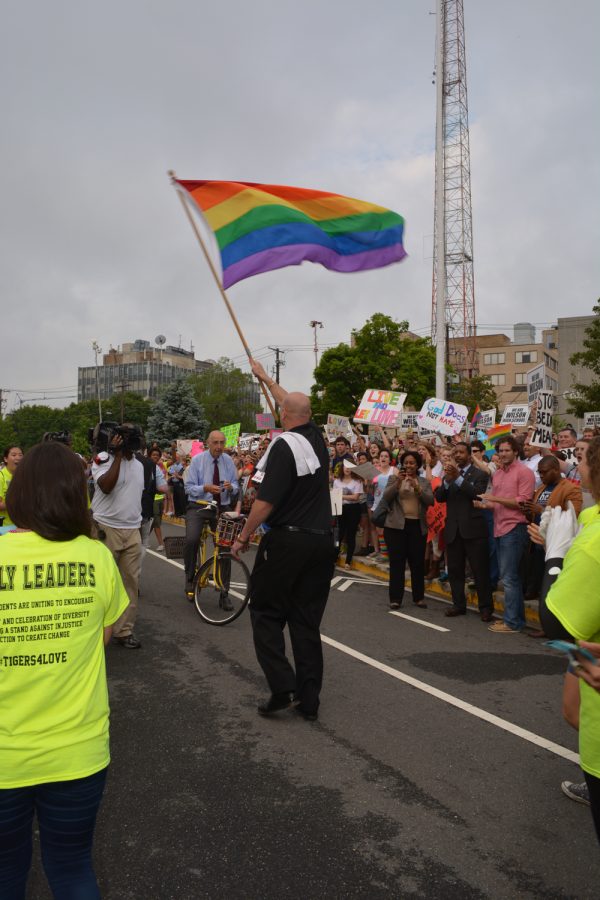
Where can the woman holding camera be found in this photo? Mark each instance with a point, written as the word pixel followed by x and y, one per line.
pixel 408 495
pixel 54 748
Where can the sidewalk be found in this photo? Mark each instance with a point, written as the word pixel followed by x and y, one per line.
pixel 380 570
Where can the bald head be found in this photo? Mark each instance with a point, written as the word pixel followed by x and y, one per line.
pixel 216 443
pixel 296 409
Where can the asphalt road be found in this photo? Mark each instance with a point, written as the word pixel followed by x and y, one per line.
pixel 395 792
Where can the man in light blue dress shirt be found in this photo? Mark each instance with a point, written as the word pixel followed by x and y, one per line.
pixel 212 475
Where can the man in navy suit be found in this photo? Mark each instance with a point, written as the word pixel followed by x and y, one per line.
pixel 465 532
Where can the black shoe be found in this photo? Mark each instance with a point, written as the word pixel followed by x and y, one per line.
pixel 487 615
pixel 309 716
pixel 276 703
pixel 130 642
pixel 420 603
pixel 226 604
pixel 455 611
pixel 394 604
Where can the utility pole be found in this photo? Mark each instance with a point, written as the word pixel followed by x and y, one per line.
pixel 2 402
pixel 314 325
pixel 122 386
pixel 97 349
pixel 279 361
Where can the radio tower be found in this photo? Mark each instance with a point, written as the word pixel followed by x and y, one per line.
pixel 453 300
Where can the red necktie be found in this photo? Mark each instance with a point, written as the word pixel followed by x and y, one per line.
pixel 217 479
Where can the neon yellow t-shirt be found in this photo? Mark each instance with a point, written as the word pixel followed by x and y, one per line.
pixel 5 480
pixel 574 598
pixel 56 597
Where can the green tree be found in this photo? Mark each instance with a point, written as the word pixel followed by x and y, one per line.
pixel 472 391
pixel 586 397
pixel 227 395
pixel 176 414
pixel 28 424
pixel 383 356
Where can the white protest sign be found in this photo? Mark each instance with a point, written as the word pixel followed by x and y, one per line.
pixel 535 382
pixel 516 414
pixel 542 435
pixel 409 421
pixel 337 425
pixel 486 420
pixel 442 416
pixel 591 420
pixel 246 441
pixel 380 408
pixel 335 495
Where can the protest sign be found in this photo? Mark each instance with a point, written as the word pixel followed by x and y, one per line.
pixel 196 448
pixel 336 495
pixel 409 421
pixel 535 382
pixel 366 470
pixel 264 421
pixel 380 408
pixel 542 434
pixel 337 425
pixel 246 440
pixel 232 433
pixel 486 419
pixel 185 446
pixel 274 432
pixel 591 420
pixel 442 416
pixel 515 414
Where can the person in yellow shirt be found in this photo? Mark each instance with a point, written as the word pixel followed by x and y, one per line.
pixel 60 593
pixel 12 457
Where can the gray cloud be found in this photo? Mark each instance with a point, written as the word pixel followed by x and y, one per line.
pixel 100 101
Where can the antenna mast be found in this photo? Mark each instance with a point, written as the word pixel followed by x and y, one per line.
pixel 453 299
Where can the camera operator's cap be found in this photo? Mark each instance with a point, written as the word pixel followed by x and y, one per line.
pixel 101 458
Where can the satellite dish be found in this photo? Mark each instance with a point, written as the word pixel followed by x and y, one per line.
pixel 160 339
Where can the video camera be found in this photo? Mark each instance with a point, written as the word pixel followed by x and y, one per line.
pixel 59 437
pixel 101 436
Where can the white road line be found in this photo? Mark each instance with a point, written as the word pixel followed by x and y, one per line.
pixel 344 586
pixel 335 580
pixel 394 612
pixel 516 730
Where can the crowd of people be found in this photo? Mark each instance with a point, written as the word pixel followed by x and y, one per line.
pixel 442 509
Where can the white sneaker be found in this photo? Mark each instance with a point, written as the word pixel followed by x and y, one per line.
pixel 160 548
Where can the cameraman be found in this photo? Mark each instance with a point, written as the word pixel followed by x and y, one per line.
pixel 117 512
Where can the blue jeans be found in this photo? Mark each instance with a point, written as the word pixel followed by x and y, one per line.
pixel 510 548
pixel 66 812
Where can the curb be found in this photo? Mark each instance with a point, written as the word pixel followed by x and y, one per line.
pixel 435 588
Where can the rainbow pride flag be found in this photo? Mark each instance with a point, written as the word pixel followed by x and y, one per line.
pixel 261 227
pixel 476 416
pixel 492 437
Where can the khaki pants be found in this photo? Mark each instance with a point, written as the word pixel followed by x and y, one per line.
pixel 126 546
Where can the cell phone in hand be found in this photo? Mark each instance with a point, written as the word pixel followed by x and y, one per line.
pixel 572 651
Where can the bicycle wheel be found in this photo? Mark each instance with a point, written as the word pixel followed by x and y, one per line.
pixel 222 589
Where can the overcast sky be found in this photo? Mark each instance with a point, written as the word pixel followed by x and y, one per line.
pixel 100 100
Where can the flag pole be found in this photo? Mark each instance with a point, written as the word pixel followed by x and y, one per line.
pixel 215 275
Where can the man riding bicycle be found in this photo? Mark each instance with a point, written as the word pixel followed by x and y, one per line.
pixel 212 476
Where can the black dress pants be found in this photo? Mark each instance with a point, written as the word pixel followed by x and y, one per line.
pixel 406 545
pixel 476 551
pixel 348 524
pixel 195 517
pixel 290 585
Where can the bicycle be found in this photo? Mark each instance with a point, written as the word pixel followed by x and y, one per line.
pixel 221 583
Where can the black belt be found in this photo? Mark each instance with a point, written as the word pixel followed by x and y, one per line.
pixel 303 530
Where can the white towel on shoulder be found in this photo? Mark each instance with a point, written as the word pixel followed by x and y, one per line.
pixel 307 461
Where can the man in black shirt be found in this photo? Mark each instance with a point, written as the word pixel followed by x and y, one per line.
pixel 295 560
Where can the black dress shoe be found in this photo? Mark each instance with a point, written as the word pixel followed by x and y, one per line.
pixel 309 716
pixel 487 615
pixel 455 611
pixel 276 703
pixel 225 603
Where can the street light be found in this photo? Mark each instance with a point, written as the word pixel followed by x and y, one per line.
pixel 97 349
pixel 314 325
